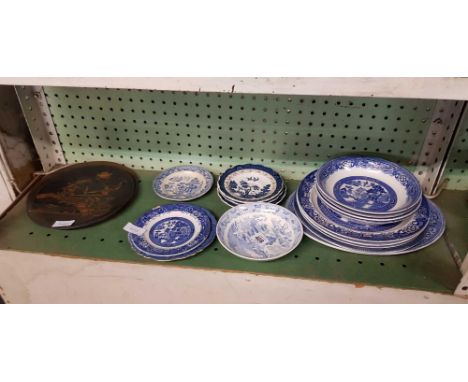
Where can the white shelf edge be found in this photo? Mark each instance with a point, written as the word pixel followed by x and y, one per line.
pixel 450 88
pixel 28 277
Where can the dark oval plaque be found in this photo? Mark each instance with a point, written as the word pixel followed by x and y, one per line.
pixel 87 193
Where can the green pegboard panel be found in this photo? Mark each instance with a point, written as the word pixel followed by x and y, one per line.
pixel 153 130
pixel 457 164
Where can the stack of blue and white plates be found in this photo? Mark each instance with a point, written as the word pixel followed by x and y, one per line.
pixel 366 205
pixel 250 183
pixel 172 232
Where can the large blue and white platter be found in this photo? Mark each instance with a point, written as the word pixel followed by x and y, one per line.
pixel 259 231
pixel 406 230
pixel 250 183
pixel 183 183
pixel 429 235
pixel 172 231
pixel 368 186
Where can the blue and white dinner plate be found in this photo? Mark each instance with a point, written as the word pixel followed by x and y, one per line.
pixel 171 230
pixel 430 235
pixel 259 231
pixel 250 183
pixel 368 186
pixel 403 232
pixel 183 183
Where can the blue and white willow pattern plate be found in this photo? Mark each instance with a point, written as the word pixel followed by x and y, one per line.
pixel 406 230
pixel 190 253
pixel 259 231
pixel 250 183
pixel 182 183
pixel 430 235
pixel 171 230
pixel 370 186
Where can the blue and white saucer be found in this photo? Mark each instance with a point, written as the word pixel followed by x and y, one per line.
pixel 405 231
pixel 171 230
pixel 196 250
pixel 183 183
pixel 250 183
pixel 430 235
pixel 368 186
pixel 259 231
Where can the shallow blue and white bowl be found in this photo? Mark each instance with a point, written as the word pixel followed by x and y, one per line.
pixel 368 186
pixel 350 240
pixel 363 219
pixel 259 231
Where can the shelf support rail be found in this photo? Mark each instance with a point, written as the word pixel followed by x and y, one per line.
pixel 439 140
pixel 462 288
pixel 44 135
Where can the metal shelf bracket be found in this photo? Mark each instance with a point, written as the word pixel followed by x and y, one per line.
pixel 434 152
pixel 36 112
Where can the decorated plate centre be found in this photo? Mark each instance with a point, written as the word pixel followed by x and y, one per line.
pixel 248 185
pixel 365 193
pixel 263 235
pixel 171 232
pixel 183 184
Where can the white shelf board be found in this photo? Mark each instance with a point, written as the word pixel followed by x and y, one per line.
pixel 39 278
pixel 454 88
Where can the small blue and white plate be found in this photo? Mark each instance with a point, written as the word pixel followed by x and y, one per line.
pixel 259 231
pixel 171 230
pixel 403 232
pixel 250 183
pixel 430 235
pixel 232 202
pixel 226 201
pixel 369 186
pixel 183 183
pixel 192 252
pixel 270 199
